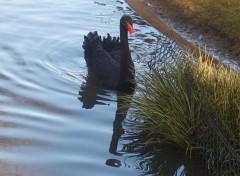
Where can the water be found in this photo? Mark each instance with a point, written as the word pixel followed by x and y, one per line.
pixel 53 122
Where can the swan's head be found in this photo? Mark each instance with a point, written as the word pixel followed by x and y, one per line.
pixel 127 22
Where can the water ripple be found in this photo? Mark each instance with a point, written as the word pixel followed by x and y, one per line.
pixel 53 119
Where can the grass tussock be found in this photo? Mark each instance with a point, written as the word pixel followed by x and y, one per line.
pixel 196 106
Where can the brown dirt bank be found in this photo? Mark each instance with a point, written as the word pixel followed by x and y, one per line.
pixel 194 32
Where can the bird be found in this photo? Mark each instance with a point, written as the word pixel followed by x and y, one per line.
pixel 109 59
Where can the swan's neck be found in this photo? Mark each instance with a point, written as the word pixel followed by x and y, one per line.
pixel 127 74
pixel 125 52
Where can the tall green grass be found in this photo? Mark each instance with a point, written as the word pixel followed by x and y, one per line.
pixel 196 106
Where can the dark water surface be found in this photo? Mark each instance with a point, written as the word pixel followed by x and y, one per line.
pixel 53 122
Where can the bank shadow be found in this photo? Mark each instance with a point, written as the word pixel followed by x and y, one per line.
pixel 159 159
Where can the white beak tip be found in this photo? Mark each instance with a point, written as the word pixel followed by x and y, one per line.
pixel 132 34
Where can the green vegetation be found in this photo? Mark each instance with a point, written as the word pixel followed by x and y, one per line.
pixel 222 16
pixel 196 106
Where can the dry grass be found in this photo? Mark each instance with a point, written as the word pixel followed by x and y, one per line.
pixel 222 16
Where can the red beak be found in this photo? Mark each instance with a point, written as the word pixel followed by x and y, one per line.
pixel 130 29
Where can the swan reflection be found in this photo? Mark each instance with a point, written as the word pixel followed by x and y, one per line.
pixel 90 94
pixel 118 130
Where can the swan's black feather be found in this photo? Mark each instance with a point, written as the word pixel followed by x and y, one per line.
pixel 111 43
pixel 102 59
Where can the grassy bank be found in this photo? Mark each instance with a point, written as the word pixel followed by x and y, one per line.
pixel 195 106
pixel 222 16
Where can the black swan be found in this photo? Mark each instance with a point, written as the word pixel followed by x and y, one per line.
pixel 109 60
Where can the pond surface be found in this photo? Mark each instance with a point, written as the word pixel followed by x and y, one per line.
pixel 54 122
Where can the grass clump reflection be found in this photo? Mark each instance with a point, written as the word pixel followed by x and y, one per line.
pixel 196 106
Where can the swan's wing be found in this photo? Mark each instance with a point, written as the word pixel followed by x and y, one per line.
pixel 101 65
pixel 111 43
pixel 104 69
pixel 116 55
